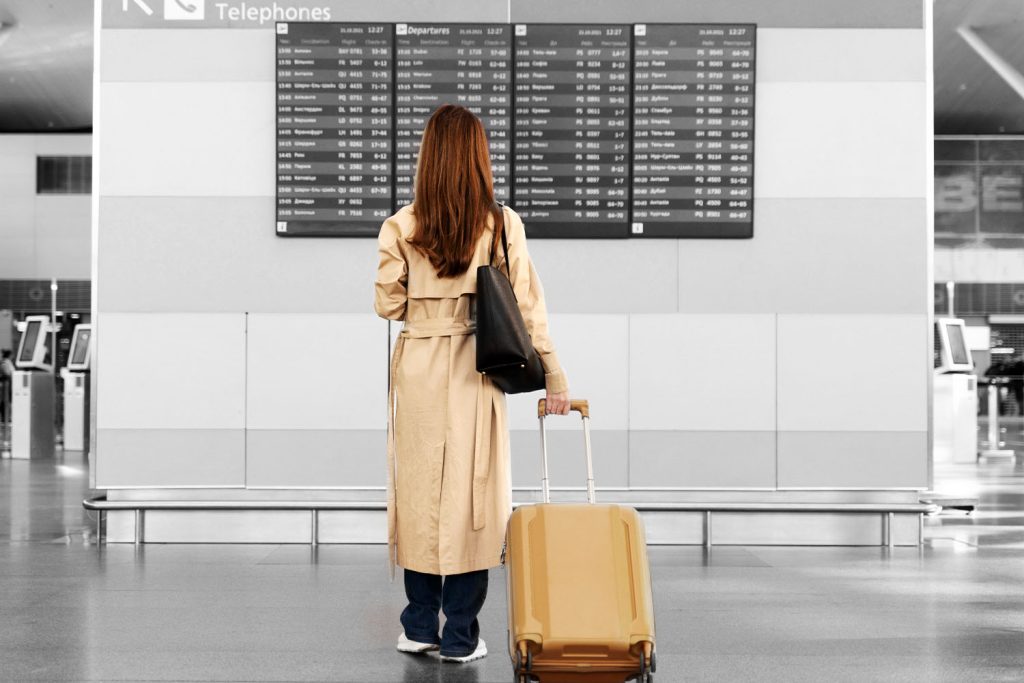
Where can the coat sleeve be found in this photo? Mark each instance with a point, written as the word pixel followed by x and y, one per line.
pixel 392 274
pixel 530 295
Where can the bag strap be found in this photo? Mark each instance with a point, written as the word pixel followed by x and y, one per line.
pixel 504 241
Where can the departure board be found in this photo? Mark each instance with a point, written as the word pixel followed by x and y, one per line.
pixel 466 64
pixel 572 129
pixel 693 130
pixel 594 130
pixel 334 128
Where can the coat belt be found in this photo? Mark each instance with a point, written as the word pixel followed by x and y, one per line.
pixel 426 329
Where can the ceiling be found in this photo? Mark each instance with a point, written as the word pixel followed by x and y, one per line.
pixel 46 66
pixel 970 98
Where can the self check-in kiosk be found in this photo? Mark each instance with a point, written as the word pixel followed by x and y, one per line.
pixel 32 404
pixel 956 396
pixel 76 391
pixel 955 356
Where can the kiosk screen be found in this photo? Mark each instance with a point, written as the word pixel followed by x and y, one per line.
pixel 29 341
pixel 81 347
pixel 957 345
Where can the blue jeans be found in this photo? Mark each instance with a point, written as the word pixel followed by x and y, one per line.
pixel 461 596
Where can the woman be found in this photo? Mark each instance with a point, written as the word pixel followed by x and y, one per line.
pixel 449 490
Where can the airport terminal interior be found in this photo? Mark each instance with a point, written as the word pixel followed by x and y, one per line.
pixel 782 253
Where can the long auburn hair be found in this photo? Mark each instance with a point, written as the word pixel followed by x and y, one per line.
pixel 454 190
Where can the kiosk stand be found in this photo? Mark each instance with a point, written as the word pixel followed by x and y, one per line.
pixel 956 397
pixel 994 433
pixel 76 391
pixel 32 427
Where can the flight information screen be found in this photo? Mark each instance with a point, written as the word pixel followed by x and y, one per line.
pixel 594 130
pixel 572 129
pixel 466 64
pixel 335 172
pixel 693 130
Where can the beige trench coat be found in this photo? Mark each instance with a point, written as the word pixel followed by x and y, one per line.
pixel 449 479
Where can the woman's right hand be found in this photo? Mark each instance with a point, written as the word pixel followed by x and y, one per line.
pixel 557 403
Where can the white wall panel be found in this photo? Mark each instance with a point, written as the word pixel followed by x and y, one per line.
pixel 813 13
pixel 228 526
pixel 17 168
pixel 840 54
pixel 170 458
pixel 18 215
pixel 607 276
pixel 853 459
pixel 171 371
pixel 154 55
pixel 840 140
pixel 853 373
pixel 594 351
pixel 702 372
pixel 979 265
pixel 693 459
pixel 352 526
pixel 17 256
pixel 310 458
pixel 566 464
pixel 827 242
pixel 63 259
pixel 63 236
pixel 210 254
pixel 316 372
pixel 796 528
pixel 71 144
pixel 64 217
pixel 228 150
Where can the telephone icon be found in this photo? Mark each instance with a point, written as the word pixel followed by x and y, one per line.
pixel 184 10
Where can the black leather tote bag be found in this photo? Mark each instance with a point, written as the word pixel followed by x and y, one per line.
pixel 504 350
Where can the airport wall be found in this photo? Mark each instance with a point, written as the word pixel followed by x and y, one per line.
pixel 229 358
pixel 979 264
pixel 42 236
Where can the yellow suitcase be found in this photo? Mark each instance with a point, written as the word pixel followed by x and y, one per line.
pixel 580 608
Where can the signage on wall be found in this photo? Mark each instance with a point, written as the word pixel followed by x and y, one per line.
pixel 190 14
pixel 466 64
pixel 335 113
pixel 693 130
pixel 572 133
pixel 184 10
pixel 979 192
pixel 615 131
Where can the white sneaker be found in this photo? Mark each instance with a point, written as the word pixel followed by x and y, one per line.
pixel 479 653
pixel 412 646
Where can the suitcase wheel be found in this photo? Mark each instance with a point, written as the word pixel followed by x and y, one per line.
pixel 647 668
pixel 523 672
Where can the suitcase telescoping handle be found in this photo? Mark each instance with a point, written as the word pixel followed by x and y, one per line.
pixel 582 407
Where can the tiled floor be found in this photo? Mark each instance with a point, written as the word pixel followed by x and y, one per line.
pixel 70 610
